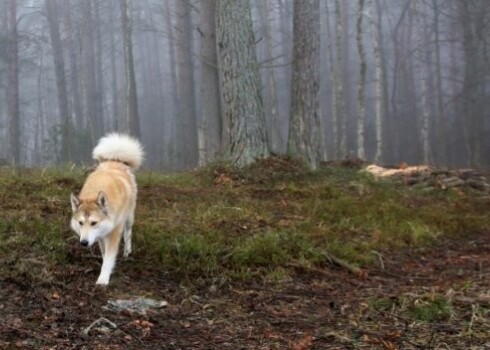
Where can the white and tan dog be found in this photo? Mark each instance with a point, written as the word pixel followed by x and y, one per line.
pixel 103 212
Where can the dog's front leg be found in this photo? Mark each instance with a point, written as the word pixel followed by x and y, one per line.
pixel 111 245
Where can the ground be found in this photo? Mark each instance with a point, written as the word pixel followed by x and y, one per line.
pixel 430 295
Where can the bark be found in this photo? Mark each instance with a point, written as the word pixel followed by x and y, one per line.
pixel 210 139
pixel 52 12
pixel 13 84
pixel 244 132
pixel 132 124
pixel 304 128
pixel 361 89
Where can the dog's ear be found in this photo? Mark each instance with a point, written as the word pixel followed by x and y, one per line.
pixel 75 202
pixel 102 201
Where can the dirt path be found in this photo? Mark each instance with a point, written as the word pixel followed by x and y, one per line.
pixel 321 308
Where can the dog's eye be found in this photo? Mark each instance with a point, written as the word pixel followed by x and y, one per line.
pixel 81 223
pixel 93 223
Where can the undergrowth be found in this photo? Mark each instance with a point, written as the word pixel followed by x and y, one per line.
pixel 238 223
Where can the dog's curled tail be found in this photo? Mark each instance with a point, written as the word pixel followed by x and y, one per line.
pixel 119 147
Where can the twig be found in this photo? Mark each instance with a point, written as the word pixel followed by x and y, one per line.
pixel 100 320
pixel 380 258
pixel 342 263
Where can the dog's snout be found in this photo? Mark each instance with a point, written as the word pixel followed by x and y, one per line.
pixel 84 242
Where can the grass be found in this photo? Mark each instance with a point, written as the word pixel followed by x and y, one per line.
pixel 244 222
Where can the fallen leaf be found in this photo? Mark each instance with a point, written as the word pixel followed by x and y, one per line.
pixel 305 344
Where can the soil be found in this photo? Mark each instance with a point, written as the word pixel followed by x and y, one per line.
pixel 318 308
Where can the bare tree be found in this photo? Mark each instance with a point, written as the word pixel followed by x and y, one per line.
pixel 304 127
pixel 244 130
pixel 132 117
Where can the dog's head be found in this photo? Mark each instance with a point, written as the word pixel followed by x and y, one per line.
pixel 90 219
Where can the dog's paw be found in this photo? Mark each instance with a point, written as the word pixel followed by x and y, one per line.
pixel 127 251
pixel 103 282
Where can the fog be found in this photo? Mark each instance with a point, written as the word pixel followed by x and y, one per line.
pixel 66 69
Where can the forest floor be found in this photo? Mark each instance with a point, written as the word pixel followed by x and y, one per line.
pixel 241 258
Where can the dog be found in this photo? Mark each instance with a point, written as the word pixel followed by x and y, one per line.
pixel 103 211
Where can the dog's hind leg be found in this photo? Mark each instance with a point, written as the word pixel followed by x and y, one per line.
pixel 111 246
pixel 128 232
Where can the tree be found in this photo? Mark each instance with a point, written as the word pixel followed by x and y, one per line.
pixel 210 128
pixel 270 92
pixel 89 87
pixel 52 13
pixel 132 124
pixel 304 128
pixel 244 129
pixel 379 83
pixel 361 93
pixel 13 84
pixel 187 123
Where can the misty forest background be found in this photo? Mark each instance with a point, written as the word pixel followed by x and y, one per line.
pixel 197 81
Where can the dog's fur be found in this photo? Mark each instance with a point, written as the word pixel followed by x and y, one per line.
pixel 103 212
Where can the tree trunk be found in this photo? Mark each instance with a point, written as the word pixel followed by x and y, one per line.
pixel 424 90
pixel 131 113
pixel 186 122
pixel 339 85
pixel 52 12
pixel 13 85
pixel 440 121
pixel 271 104
pixel 114 74
pixel 74 68
pixel 361 89
pixel 89 75
pixel 304 127
pixel 174 161
pixel 379 84
pixel 334 78
pixel 210 144
pixel 244 132
pixel 99 81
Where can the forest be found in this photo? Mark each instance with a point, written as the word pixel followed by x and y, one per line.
pixel 385 81
pixel 316 174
